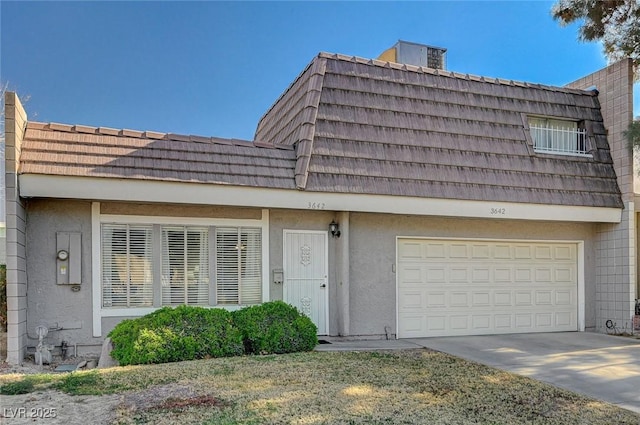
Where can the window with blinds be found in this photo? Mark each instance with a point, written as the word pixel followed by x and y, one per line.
pixel 154 265
pixel 185 265
pixel 238 265
pixel 127 272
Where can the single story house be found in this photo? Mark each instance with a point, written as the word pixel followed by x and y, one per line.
pixel 383 199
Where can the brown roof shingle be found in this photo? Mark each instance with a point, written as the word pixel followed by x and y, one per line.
pixel 295 114
pixel 392 129
pixel 98 152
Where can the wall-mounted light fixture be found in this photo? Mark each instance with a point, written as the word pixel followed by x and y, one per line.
pixel 334 228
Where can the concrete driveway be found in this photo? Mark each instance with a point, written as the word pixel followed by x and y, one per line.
pixel 600 366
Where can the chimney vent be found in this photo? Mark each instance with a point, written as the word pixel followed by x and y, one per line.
pixel 415 54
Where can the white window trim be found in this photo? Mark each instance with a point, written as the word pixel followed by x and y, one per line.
pixel 539 150
pixel 96 254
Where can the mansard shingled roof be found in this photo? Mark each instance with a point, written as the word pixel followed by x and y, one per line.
pixel 372 127
pixel 59 149
pixel 353 125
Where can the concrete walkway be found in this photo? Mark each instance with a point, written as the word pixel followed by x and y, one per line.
pixel 600 366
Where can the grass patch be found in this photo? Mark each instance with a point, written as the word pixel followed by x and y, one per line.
pixel 403 387
pixel 80 383
pixel 20 384
pixel 19 387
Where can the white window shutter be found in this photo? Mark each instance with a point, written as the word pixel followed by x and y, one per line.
pixel 238 265
pixel 251 270
pixel 185 265
pixel 127 271
pixel 198 281
pixel 227 265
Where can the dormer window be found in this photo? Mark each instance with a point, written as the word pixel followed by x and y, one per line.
pixel 557 136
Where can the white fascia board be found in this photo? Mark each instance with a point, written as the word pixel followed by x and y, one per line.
pixel 129 190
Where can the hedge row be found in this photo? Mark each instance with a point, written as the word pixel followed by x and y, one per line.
pixel 188 333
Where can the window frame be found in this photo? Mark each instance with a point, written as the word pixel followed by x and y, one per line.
pixel 99 219
pixel 177 268
pixel 243 265
pixel 580 125
pixel 125 284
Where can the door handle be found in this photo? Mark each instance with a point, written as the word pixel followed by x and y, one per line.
pixel 324 285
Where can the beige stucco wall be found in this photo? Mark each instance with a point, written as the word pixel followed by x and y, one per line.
pixel 50 304
pixel 370 240
pixel 373 250
pixel 172 210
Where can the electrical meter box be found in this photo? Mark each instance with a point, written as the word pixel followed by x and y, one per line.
pixel 68 258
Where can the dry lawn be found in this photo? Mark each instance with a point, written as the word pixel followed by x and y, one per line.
pixel 400 387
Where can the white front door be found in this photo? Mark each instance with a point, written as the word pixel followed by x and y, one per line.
pixel 305 274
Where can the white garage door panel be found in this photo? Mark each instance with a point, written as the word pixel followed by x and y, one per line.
pixel 472 288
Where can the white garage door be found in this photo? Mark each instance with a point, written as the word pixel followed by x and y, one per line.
pixel 460 287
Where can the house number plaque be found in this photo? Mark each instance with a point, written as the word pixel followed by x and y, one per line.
pixel 315 205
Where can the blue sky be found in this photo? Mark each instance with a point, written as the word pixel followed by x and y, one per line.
pixel 213 68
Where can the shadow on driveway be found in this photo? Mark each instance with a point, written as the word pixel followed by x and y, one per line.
pixel 600 366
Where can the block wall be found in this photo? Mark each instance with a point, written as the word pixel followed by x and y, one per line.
pixel 15 122
pixel 616 253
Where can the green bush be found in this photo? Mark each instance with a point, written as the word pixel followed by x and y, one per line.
pixel 176 334
pixel 3 297
pixel 275 327
pixel 188 333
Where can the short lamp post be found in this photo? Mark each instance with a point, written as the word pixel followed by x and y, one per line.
pixel 334 229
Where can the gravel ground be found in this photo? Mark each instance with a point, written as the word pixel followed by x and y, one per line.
pixel 55 407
